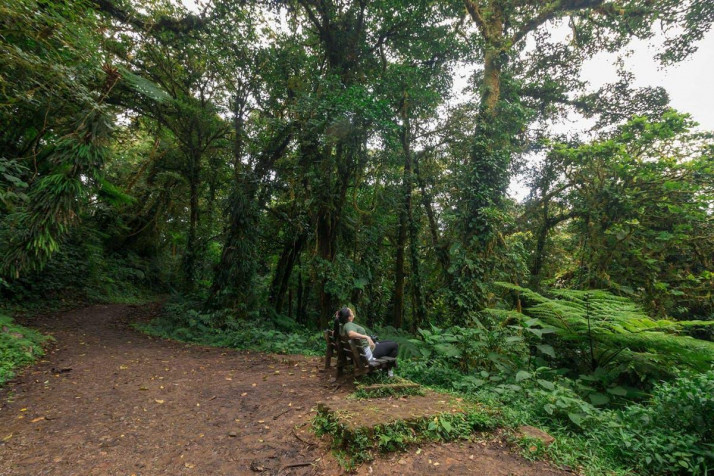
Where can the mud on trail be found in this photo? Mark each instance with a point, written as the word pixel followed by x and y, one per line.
pixel 108 400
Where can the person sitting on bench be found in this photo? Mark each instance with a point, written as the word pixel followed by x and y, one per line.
pixel 345 326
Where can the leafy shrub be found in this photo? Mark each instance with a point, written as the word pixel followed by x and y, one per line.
pixel 671 433
pixel 19 346
pixel 181 320
pixel 598 329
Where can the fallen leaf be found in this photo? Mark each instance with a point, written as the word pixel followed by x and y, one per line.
pixel 255 385
pixel 159 401
pixel 436 464
pixel 418 451
pixel 190 465
pixel 37 419
pixel 6 438
pixel 23 409
pixel 228 378
pixel 123 367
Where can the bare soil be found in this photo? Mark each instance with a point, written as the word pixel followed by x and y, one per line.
pixel 111 401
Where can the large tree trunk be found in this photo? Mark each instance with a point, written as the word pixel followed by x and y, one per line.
pixel 440 248
pixel 491 89
pixel 326 235
pixel 233 276
pixel 284 269
pixel 398 299
pixel 418 310
pixel 191 244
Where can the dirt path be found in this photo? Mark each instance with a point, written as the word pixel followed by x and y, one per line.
pixel 110 401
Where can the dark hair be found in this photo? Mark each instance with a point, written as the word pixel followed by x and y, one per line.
pixel 341 317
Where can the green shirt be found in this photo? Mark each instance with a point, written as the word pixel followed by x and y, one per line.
pixel 351 326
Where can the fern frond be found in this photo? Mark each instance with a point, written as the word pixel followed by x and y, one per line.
pixel 617 325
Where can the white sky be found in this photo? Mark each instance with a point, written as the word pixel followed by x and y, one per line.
pixel 688 83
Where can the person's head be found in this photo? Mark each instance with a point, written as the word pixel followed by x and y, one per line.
pixel 345 315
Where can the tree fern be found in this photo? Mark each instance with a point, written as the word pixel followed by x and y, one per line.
pixel 618 328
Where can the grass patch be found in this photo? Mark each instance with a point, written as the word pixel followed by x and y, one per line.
pixel 19 346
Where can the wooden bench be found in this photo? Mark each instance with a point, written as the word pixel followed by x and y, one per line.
pixel 350 352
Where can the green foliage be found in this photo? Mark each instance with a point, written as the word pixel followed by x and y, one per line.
pixel 19 346
pixel 599 329
pixel 82 271
pixel 669 434
pixel 181 320
pixel 353 447
pixel 631 213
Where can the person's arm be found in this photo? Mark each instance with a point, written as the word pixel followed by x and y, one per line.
pixel 357 335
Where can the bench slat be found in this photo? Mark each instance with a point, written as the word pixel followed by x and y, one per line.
pixel 350 352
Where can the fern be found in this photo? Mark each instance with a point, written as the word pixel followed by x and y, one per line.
pixel 618 328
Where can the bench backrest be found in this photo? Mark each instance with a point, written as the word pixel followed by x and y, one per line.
pixel 349 352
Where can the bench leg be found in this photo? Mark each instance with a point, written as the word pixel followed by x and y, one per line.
pixel 328 358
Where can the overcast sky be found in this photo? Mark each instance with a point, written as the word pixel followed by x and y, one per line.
pixel 690 83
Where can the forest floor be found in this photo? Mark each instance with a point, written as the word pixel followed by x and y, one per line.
pixel 108 400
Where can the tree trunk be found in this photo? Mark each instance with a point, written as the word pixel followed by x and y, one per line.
pixel 233 276
pixel 491 89
pixel 418 310
pixel 440 250
pixel 191 244
pixel 283 271
pixel 398 299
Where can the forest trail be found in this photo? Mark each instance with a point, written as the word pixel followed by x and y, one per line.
pixel 109 400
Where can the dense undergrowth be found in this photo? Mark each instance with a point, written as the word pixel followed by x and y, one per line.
pixel 625 416
pixel 181 321
pixel 84 271
pixel 19 346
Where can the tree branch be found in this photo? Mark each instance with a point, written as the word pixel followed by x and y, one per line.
pixel 550 11
pixel 163 23
pixel 475 11
pixel 311 15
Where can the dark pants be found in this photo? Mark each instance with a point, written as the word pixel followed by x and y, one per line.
pixel 385 348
